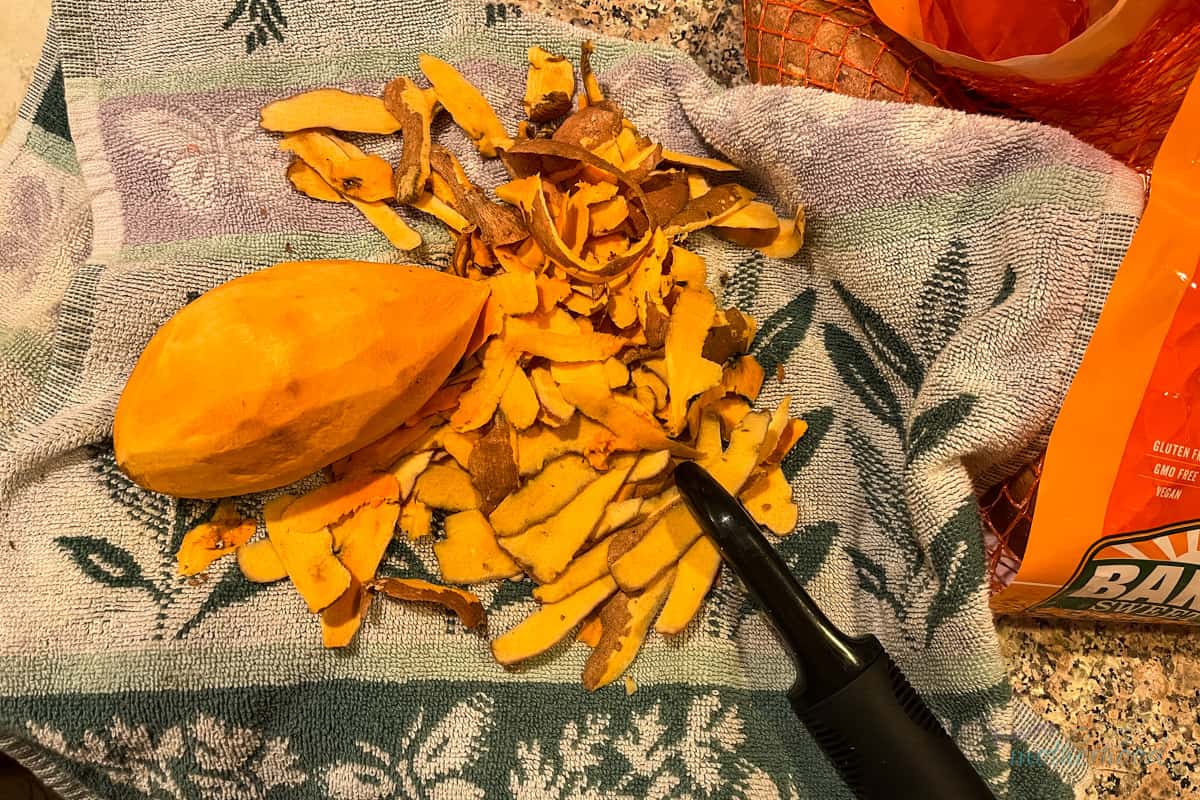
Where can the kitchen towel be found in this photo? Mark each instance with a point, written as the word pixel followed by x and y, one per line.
pixel 954 268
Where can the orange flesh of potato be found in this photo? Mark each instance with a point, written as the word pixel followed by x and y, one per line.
pixel 329 108
pixel 308 558
pixel 517 293
pixel 694 576
pixel 769 501
pixel 624 622
pixel 628 421
pixel 260 563
pixel 545 549
pixel 436 207
pixel 308 181
pixel 676 530
pixel 549 87
pixel 470 110
pixel 220 536
pixel 650 465
pixel 320 151
pixel 688 268
pixel 465 605
pixel 365 537
pixel 541 497
pixel 530 338
pixel 448 487
pixel 259 401
pixel 688 372
pixel 618 515
pixel 368 178
pixel 416 519
pixel 480 402
pixel 794 431
pixel 585 569
pixel 730 411
pixel 550 624
pixel 519 401
pixel 469 553
pixel 333 502
pixel 578 435
pixel 590 631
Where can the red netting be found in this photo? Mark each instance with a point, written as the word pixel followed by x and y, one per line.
pixel 1125 107
pixel 839 46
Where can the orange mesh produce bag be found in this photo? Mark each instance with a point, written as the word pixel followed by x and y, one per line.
pixel 842 47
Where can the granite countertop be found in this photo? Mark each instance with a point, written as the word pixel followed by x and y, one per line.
pixel 1113 689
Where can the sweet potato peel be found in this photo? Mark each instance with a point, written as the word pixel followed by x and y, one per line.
pixel 223 534
pixel 600 360
pixel 465 605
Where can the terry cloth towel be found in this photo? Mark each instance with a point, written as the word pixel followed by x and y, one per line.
pixel 954 269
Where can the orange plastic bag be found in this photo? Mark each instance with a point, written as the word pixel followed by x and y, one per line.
pixel 991 30
pixel 1116 85
pixel 1116 530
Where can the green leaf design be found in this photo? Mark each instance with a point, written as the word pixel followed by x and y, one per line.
pixel 106 563
pixel 932 426
pixel 819 420
pixel 883 491
pixel 401 560
pixel 156 511
pixel 956 553
pixel 1008 285
pixel 806 549
pixel 783 331
pixel 741 289
pixel 943 301
pixel 872 579
pixel 889 346
pixel 512 592
pixel 860 374
pixel 239 8
pixel 727 607
pixel 232 588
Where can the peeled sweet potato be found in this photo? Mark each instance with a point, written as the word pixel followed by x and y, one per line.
pixel 264 391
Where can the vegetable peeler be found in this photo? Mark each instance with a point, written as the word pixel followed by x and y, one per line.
pixel 870 723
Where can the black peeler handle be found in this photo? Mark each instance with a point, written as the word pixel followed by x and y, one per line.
pixel 857 704
pixel 885 743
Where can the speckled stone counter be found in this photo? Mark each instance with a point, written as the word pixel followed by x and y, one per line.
pixel 1128 695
